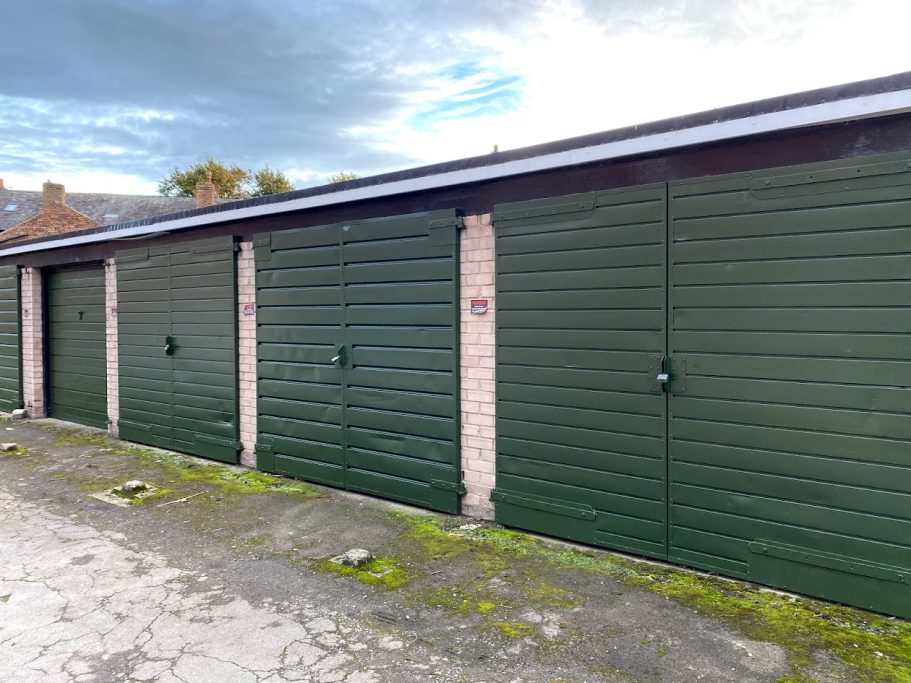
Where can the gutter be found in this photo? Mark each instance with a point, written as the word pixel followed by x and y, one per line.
pixel 838 111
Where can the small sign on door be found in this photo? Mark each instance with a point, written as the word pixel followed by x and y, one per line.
pixel 113 311
pixel 249 309
pixel 478 306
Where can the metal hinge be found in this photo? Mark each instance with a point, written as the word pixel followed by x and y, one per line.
pixel 131 256
pixel 262 246
pixel 535 209
pixel 554 507
pixel 456 487
pixel 454 221
pixel 264 448
pixel 217 441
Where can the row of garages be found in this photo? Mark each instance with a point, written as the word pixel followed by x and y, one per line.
pixel 715 372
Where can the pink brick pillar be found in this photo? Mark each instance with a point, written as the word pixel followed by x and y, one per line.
pixel 110 328
pixel 246 350
pixel 477 350
pixel 32 343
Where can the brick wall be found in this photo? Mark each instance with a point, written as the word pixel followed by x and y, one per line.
pixel 477 352
pixel 32 352
pixel 110 305
pixel 246 351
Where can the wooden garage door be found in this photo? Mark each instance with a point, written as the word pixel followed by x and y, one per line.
pixel 787 400
pixel 357 334
pixel 581 423
pixel 177 333
pixel 77 362
pixel 791 423
pixel 10 378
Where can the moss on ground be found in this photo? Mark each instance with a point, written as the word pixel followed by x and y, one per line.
pixel 876 648
pixel 380 571
pixel 459 599
pixel 512 629
pixel 180 467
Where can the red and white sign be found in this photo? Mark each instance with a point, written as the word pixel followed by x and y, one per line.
pixel 249 309
pixel 478 306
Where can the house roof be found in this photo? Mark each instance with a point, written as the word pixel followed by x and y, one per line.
pixel 103 209
pixel 886 96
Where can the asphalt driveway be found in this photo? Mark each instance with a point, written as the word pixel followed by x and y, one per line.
pixel 223 574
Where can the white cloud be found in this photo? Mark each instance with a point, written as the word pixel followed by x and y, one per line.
pixel 581 77
pixel 424 82
pixel 79 180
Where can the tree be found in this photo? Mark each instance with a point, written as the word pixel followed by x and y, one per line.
pixel 267 181
pixel 343 176
pixel 231 182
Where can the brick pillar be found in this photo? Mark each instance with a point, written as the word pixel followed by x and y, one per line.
pixel 110 328
pixel 477 350
pixel 246 350
pixel 32 343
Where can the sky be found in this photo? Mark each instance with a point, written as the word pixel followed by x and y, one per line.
pixel 111 95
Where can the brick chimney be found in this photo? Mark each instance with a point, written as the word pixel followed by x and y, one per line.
pixel 52 195
pixel 205 192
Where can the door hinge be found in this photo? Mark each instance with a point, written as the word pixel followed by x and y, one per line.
pixel 218 441
pixel 457 487
pixel 554 507
pixel 262 246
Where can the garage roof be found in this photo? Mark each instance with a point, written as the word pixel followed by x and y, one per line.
pixel 864 99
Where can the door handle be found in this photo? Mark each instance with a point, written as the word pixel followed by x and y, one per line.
pixel 341 356
pixel 169 346
pixel 663 378
pixel 335 358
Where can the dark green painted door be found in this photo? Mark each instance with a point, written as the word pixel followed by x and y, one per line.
pixel 10 378
pixel 791 421
pixel 177 334
pixel 76 340
pixel 581 423
pixel 357 356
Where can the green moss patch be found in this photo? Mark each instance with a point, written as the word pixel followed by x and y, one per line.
pixel 380 571
pixel 459 599
pixel 876 648
pixel 185 468
pixel 512 629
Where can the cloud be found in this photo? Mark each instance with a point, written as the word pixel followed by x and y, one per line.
pixel 136 88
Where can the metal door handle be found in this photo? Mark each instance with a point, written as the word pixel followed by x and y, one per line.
pixel 662 378
pixel 167 348
pixel 335 358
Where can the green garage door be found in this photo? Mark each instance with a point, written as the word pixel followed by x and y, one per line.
pixel 791 430
pixel 581 424
pixel 177 334
pixel 10 395
pixel 357 336
pixel 77 364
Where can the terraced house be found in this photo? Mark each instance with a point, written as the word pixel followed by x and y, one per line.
pixel 687 340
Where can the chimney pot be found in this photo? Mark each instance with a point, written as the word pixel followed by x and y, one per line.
pixel 53 194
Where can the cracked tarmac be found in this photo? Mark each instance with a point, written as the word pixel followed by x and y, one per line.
pixel 80 606
pixel 226 587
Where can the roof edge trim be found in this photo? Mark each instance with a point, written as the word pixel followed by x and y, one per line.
pixel 868 106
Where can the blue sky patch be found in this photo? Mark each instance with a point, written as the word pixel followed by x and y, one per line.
pixel 483 93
